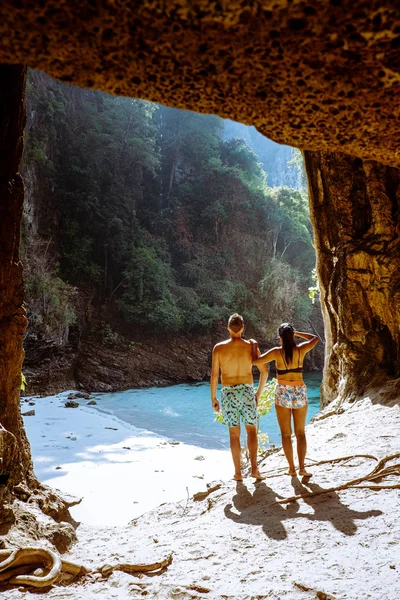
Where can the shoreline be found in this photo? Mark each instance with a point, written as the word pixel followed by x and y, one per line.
pixel 119 470
pixel 145 386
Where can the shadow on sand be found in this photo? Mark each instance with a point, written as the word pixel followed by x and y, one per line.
pixel 261 508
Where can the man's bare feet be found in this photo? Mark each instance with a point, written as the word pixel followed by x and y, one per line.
pixel 304 473
pixel 257 475
pixel 237 477
pixel 291 472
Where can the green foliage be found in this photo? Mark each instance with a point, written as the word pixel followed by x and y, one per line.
pixel 313 291
pixel 112 339
pixel 36 153
pixel 23 382
pixel 302 307
pixel 298 162
pixel 267 398
pixel 280 289
pixel 51 304
pixel 77 250
pixel 148 297
pixel 151 207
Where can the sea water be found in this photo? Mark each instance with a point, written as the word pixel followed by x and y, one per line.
pixel 184 413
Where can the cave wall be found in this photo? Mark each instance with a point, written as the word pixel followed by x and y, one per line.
pixel 355 210
pixel 316 75
pixel 12 312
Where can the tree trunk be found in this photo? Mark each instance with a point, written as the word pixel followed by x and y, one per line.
pixel 355 213
pixel 12 312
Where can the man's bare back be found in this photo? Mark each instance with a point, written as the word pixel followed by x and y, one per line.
pixel 234 358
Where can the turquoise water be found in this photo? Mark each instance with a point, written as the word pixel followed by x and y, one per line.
pixel 183 412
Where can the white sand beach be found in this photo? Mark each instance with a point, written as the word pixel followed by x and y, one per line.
pixel 239 542
pixel 120 471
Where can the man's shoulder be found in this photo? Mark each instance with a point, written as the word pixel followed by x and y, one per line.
pixel 221 344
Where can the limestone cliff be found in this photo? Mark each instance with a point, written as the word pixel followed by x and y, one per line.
pixel 355 211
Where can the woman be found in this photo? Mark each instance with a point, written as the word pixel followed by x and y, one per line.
pixel 291 391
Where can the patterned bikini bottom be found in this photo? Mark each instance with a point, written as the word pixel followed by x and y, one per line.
pixel 291 396
pixel 238 403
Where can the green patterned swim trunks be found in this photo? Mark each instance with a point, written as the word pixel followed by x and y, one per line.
pixel 238 403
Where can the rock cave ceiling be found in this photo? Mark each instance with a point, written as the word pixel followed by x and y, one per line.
pixel 317 75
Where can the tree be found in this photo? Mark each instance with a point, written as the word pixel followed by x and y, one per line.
pixel 152 208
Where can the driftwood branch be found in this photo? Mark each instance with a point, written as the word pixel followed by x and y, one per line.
pixel 332 461
pixel 41 567
pixel 106 570
pixel 377 473
pixel 32 556
pixel 199 496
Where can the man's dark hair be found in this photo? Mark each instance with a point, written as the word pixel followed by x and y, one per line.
pixel 236 322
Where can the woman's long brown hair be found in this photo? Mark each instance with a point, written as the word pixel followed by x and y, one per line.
pixel 286 332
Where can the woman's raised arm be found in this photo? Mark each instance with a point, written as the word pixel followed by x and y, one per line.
pixel 312 340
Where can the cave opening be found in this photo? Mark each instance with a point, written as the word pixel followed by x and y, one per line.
pixel 322 89
pixel 144 228
pixel 143 221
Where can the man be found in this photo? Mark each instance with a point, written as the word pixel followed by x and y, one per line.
pixel 238 400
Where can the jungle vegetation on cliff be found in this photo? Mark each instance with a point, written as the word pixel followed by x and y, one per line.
pixel 157 212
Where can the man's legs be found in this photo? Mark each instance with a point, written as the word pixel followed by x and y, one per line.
pixel 284 418
pixel 252 444
pixel 234 438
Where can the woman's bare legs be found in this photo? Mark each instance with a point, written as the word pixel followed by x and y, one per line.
pixel 299 418
pixel 284 420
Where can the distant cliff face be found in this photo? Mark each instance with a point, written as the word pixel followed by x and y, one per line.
pixel 274 158
pixel 99 358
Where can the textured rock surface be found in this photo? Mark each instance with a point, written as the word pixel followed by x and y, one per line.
pixel 318 75
pixel 355 212
pixel 12 313
pixel 16 518
pixel 48 367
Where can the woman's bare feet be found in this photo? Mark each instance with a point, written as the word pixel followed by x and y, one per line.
pixel 304 473
pixel 237 477
pixel 258 476
pixel 291 472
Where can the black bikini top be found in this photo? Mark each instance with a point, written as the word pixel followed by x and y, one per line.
pixel 298 369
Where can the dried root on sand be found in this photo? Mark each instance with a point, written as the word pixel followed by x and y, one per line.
pixel 41 567
pixel 378 473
